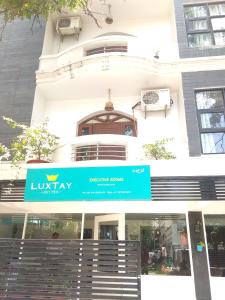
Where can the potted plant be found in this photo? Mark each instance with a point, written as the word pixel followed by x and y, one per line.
pixel 158 150
pixel 200 246
pixel 4 152
pixel 33 143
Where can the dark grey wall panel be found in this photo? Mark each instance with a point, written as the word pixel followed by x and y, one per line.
pixel 191 82
pixel 20 50
pixel 175 188
pixel 200 264
pixel 184 50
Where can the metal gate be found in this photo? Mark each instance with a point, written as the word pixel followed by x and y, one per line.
pixel 69 269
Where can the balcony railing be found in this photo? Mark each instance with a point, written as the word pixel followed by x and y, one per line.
pixel 99 147
pixel 99 152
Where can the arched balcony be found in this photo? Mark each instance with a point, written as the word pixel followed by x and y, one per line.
pixel 104 135
pixel 104 123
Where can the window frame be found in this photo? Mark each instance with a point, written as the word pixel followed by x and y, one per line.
pixel 208 19
pixel 209 110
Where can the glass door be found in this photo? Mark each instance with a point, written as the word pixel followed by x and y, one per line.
pixel 109 227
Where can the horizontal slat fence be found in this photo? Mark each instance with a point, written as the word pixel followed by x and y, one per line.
pixel 217 259
pixel 69 269
pixel 163 189
pixel 12 191
pixel 191 188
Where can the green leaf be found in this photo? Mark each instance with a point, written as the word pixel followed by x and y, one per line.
pixel 34 142
pixel 26 9
pixel 158 150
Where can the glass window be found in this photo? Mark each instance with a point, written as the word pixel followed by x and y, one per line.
pixel 199 40
pixel 195 11
pixel 219 38
pixel 11 226
pixel 128 130
pixel 210 108
pixel 209 99
pixel 215 232
pixel 203 24
pixel 164 243
pixel 218 23
pixel 217 9
pixel 213 142
pixel 85 131
pixel 197 25
pixel 47 226
pixel 212 120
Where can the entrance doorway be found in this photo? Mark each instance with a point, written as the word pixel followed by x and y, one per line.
pixel 109 227
pixel 108 232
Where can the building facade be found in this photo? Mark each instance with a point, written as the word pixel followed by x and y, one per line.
pixel 147 71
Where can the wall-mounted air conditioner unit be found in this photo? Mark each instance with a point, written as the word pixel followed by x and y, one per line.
pixel 69 25
pixel 155 99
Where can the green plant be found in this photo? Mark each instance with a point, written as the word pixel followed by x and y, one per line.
pixel 34 142
pixel 26 9
pixel 158 150
pixel 4 152
pixel 201 243
pixel 34 9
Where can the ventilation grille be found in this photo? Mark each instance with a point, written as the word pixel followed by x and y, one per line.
pixel 150 98
pixel 63 23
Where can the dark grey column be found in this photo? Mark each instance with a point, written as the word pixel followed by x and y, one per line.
pixel 20 49
pixel 200 262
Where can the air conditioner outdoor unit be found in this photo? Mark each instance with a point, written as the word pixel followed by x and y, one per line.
pixel 155 99
pixel 68 25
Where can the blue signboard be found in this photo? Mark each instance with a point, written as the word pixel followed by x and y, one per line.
pixel 90 184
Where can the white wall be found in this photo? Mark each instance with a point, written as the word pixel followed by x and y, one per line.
pixel 167 287
pixel 64 115
pixel 217 288
pixel 151 34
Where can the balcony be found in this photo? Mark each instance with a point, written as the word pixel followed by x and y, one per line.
pixel 98 62
pixel 83 51
pixel 99 147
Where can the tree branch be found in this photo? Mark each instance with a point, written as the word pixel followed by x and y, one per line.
pixel 89 13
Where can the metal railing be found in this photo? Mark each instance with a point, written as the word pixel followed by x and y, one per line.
pixel 99 152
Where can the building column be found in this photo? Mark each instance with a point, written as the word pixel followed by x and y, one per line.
pixel 199 256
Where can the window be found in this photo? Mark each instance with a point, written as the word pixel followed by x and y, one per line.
pixel 11 226
pixel 211 118
pixel 107 49
pixel 205 24
pixel 215 231
pixel 85 131
pixel 164 243
pixel 65 226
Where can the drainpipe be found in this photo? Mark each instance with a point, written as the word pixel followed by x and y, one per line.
pixel 133 108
